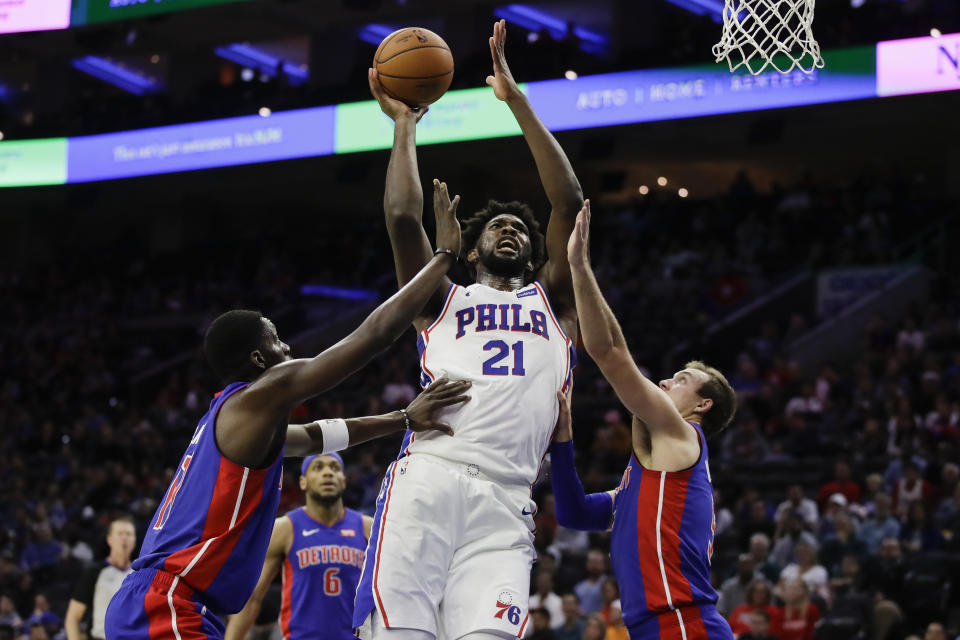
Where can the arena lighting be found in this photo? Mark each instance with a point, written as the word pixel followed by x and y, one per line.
pixel 112 73
pixel 536 19
pixel 321 290
pixel 1 135
pixel 712 8
pixel 374 33
pixel 155 58
pixel 662 181
pixel 249 56
pixel 570 74
pixel 246 74
pixel 264 112
pixel 935 32
pixel 644 189
pixel 682 192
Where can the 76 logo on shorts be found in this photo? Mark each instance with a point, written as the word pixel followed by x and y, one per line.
pixel 506 608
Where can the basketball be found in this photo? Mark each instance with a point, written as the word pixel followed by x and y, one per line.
pixel 415 66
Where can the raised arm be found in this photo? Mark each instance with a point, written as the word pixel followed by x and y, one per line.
pixel 248 423
pixel 604 341
pixel 575 509
pixel 556 174
pixel 403 195
pixel 280 541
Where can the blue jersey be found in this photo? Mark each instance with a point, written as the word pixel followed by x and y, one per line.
pixel 212 530
pixel 320 576
pixel 660 548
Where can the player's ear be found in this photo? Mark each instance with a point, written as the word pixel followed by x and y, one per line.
pixel 704 405
pixel 258 360
pixel 472 256
pixel 303 483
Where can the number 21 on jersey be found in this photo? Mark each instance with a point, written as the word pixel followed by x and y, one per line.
pixel 501 350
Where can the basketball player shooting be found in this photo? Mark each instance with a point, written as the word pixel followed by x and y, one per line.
pixel 662 512
pixel 320 548
pixel 451 546
pixel 205 547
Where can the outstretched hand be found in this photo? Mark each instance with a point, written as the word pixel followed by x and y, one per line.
pixel 564 430
pixel 578 246
pixel 445 210
pixel 389 105
pixel 504 86
pixel 441 393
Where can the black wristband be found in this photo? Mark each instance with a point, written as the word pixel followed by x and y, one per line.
pixel 406 419
pixel 449 252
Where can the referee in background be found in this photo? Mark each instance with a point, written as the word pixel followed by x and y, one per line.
pixel 99 582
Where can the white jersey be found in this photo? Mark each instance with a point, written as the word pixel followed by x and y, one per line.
pixel 509 344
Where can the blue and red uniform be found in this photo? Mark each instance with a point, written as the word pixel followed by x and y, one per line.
pixel 660 549
pixel 204 549
pixel 320 576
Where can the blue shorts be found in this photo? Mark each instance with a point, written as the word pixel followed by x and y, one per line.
pixel 692 623
pixel 155 605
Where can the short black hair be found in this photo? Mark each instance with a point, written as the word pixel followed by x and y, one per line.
pixel 472 228
pixel 229 341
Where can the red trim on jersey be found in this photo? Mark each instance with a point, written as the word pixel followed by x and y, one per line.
pixel 222 538
pixel 406 449
pixel 426 332
pixel 692 621
pixel 674 502
pixel 383 528
pixel 543 295
pixel 160 620
pixel 286 599
pixel 648 494
pixel 569 343
pixel 524 625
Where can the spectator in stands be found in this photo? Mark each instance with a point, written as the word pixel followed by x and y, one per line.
pixel 759 597
pixel 911 488
pixel 596 627
pixel 574 624
pixel 42 615
pixel 540 625
pixel 885 571
pixel 918 532
pixel 43 551
pixel 544 597
pixel 948 513
pixel 842 542
pixel 798 616
pixel 935 631
pixel 611 594
pixel 8 614
pixel 798 503
pixel 760 552
pixel 590 590
pixel 790 533
pixel 836 504
pixel 807 569
pixel 841 483
pixel 879 525
pixel 759 627
pixel 872 486
pixel 616 627
pixel 733 591
pixel 757 521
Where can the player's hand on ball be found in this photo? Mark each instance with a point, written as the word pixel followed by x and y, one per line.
pixel 578 246
pixel 504 86
pixel 564 430
pixel 445 210
pixel 391 106
pixel 441 393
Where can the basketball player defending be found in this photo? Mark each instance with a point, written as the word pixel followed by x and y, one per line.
pixel 320 547
pixel 662 512
pixel 205 546
pixel 451 547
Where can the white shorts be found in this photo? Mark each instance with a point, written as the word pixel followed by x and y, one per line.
pixel 450 552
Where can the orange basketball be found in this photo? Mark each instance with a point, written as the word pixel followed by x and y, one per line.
pixel 415 66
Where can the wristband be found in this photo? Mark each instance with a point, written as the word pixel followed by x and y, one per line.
pixel 336 436
pixel 449 252
pixel 406 419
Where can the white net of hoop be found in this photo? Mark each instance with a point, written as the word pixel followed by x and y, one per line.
pixel 768 33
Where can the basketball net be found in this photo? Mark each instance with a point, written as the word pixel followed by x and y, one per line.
pixel 768 33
